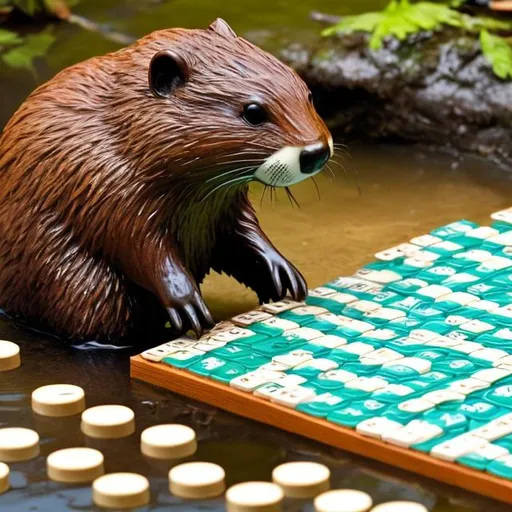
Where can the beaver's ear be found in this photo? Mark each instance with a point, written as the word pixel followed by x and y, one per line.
pixel 222 28
pixel 167 72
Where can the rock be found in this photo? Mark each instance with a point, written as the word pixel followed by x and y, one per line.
pixel 434 88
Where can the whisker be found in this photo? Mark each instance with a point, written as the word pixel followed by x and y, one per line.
pixel 342 150
pixel 292 197
pixel 263 196
pixel 331 171
pixel 353 175
pixel 218 176
pixel 332 161
pixel 317 189
pixel 226 163
pixel 287 190
pixel 226 184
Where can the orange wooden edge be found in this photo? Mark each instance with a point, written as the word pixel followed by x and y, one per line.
pixel 255 408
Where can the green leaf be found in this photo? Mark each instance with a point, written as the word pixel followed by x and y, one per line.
pixel 360 23
pixel 498 52
pixel 8 38
pixel 34 46
pixel 477 23
pixel 401 19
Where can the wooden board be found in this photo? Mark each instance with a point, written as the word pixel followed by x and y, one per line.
pixel 250 406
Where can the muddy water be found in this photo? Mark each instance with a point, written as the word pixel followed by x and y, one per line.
pixel 388 195
pixel 404 191
pixel 400 191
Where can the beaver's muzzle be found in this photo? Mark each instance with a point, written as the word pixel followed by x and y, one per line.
pixel 293 164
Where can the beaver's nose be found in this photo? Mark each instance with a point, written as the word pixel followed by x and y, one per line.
pixel 314 157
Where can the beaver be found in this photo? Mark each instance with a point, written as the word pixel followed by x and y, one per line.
pixel 124 181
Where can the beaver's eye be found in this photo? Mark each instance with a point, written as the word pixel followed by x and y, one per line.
pixel 310 98
pixel 254 114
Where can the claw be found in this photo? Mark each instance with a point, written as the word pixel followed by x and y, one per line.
pixel 292 283
pixel 176 322
pixel 201 307
pixel 194 321
pixel 277 282
pixel 303 288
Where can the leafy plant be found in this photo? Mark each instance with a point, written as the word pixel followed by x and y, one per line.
pixel 498 52
pixel 22 56
pixel 19 52
pixel 401 19
pixel 8 38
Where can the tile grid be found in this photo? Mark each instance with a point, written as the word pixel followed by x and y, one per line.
pixel 415 349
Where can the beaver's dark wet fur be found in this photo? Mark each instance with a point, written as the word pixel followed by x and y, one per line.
pixel 119 193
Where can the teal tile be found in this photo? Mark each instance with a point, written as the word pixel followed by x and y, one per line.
pixel 228 372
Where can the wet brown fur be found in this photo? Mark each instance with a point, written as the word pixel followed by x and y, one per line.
pixel 108 200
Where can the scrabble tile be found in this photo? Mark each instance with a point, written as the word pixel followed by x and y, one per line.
pixel 442 396
pixel 330 341
pixel 381 356
pixel 502 466
pixel 434 291
pixel 356 412
pixel 183 358
pixel 313 367
pixel 377 427
pixel 417 431
pixel 158 353
pixel 293 358
pixel 274 326
pixel 447 420
pixel 207 365
pixel 492 375
pixel 467 386
pixel 323 292
pixel 417 364
pixel 275 308
pixel 488 354
pixel 503 215
pixel 335 378
pixel 495 429
pixel 228 372
pixel 293 396
pixel 247 319
pixel 398 251
pixel 416 405
pixel 369 384
pixel 481 458
pixel 252 380
pixel 209 345
pixel 425 240
pixel 458 447
pixel 229 335
pixel 321 405
pixel 504 238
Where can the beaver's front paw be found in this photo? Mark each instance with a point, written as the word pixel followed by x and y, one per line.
pixel 286 279
pixel 190 312
pixel 187 310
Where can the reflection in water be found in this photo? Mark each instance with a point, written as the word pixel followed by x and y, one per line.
pixel 405 191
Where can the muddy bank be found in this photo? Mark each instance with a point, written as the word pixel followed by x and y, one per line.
pixel 436 89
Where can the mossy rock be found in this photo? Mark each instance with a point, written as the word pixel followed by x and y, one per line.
pixel 436 88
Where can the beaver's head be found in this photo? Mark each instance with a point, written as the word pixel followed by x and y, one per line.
pixel 227 112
